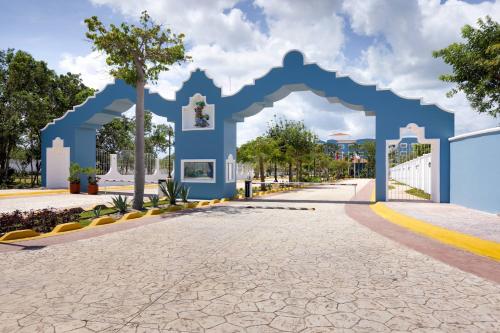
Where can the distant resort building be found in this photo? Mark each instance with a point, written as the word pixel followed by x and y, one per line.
pixel 348 150
pixel 341 149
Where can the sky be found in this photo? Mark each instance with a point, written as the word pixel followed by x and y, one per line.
pixel 383 42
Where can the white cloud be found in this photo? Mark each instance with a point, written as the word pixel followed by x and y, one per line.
pixel 92 67
pixel 234 51
pixel 402 59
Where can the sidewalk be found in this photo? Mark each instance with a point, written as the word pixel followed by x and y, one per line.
pixel 25 200
pixel 453 217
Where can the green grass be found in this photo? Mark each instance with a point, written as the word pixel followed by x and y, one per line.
pixel 391 187
pixel 419 193
pixel 87 216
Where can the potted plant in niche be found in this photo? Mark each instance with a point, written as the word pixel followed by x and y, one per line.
pixel 92 187
pixel 74 178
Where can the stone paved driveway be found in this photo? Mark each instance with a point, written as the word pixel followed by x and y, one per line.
pixel 239 269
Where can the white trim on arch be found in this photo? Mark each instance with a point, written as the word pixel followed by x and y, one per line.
pixel 435 157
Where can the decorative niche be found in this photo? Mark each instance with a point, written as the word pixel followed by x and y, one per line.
pixel 198 115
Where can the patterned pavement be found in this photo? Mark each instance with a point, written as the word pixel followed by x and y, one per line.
pixel 237 269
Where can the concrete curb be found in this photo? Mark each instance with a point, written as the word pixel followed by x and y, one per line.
pixel 66 227
pixel 28 234
pixel 19 234
pixel 101 221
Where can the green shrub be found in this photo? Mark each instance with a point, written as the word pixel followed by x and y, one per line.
pixel 155 200
pixel 74 173
pixel 43 220
pixel 97 211
pixel 184 193
pixel 171 191
pixel 120 203
pixel 91 174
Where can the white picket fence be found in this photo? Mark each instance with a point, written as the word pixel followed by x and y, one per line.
pixel 415 173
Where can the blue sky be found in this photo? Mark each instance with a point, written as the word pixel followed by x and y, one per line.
pixel 48 29
pixel 387 42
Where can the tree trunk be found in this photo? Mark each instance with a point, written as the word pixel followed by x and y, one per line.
pixel 275 171
pixel 290 175
pixel 139 174
pixel 169 156
pixel 262 174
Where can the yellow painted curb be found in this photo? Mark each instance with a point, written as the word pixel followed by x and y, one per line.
pixel 130 216
pixel 214 201
pixel 66 227
pixel 101 221
pixel 153 211
pixel 192 204
pixel 22 194
pixel 174 208
pixel 18 234
pixel 459 240
pixel 203 203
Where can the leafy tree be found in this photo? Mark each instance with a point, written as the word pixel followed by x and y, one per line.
pixel 10 117
pixel 116 135
pixel 368 149
pixel 476 66
pixel 158 139
pixel 31 95
pixel 259 151
pixel 420 149
pixel 137 54
pixel 294 142
pixel 339 168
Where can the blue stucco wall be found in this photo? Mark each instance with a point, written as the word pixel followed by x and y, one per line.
pixel 475 171
pixel 78 127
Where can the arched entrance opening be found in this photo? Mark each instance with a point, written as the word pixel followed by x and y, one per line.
pixel 76 133
pixel 337 132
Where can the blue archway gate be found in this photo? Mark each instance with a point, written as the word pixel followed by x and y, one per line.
pixel 206 122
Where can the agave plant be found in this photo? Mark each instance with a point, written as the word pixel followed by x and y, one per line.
pixel 184 193
pixel 155 200
pixel 120 203
pixel 97 211
pixel 171 190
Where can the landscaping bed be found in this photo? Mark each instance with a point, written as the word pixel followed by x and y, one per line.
pixel 47 220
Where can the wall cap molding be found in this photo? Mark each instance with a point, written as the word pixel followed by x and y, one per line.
pixel 475 133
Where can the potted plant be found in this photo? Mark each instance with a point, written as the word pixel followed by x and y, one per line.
pixel 92 187
pixel 74 178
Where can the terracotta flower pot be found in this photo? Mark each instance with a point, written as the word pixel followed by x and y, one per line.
pixel 92 189
pixel 74 188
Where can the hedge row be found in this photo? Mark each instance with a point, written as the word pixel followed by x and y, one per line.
pixel 43 220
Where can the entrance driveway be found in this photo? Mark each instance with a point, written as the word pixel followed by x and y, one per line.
pixel 262 266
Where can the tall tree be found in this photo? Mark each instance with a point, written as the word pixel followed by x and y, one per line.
pixel 116 136
pixel 137 54
pixel 31 95
pixel 476 66
pixel 368 148
pixel 10 117
pixel 258 151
